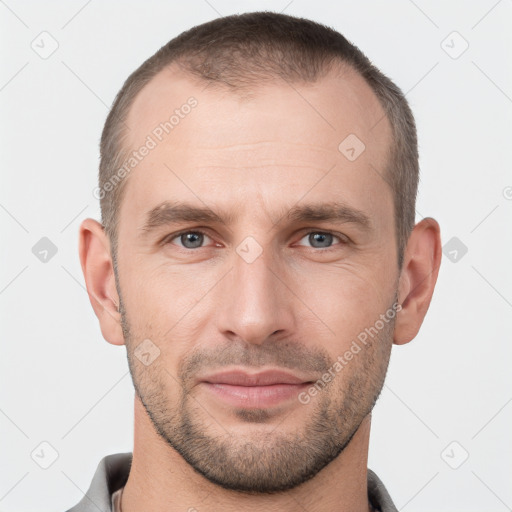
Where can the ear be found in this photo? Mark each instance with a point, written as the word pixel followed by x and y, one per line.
pixel 422 259
pixel 98 270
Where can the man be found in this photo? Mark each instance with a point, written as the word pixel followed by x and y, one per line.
pixel 258 255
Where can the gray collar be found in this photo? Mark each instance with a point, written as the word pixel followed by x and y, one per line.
pixel 113 470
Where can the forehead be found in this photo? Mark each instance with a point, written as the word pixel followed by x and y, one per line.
pixel 279 139
pixel 341 100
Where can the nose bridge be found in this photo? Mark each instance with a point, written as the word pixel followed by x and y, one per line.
pixel 253 306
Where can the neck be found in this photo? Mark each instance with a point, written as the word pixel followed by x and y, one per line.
pixel 160 479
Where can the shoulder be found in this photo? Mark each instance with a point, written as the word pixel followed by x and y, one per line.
pixel 378 494
pixel 110 475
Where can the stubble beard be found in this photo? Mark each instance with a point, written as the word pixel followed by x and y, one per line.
pixel 265 461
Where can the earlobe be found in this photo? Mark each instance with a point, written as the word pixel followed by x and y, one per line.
pixel 98 271
pixel 422 259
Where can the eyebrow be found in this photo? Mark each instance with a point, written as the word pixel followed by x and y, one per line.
pixel 169 212
pixel 331 212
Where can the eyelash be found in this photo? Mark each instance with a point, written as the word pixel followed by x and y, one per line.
pixel 342 238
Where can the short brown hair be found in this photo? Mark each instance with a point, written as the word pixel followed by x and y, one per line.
pixel 241 51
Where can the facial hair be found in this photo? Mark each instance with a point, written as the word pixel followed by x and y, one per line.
pixel 261 462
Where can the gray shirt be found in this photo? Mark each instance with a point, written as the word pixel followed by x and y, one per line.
pixel 113 470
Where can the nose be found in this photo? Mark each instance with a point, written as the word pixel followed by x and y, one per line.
pixel 254 304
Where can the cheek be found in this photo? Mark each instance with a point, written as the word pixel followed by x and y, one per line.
pixel 345 299
pixel 165 293
pixel 170 306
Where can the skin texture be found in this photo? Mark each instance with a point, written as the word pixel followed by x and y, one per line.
pixel 298 306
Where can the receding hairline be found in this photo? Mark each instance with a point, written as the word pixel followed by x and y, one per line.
pixel 177 70
pixel 252 47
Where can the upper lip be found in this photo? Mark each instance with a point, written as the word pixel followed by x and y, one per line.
pixel 265 378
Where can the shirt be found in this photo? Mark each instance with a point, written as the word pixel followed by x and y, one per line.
pixel 112 474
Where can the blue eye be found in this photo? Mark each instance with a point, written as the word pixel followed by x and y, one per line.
pixel 196 239
pixel 320 239
pixel 190 239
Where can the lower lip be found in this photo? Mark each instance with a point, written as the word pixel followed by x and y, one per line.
pixel 255 396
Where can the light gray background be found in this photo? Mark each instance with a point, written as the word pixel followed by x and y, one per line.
pixel 64 385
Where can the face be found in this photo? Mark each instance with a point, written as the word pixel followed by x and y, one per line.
pixel 290 265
